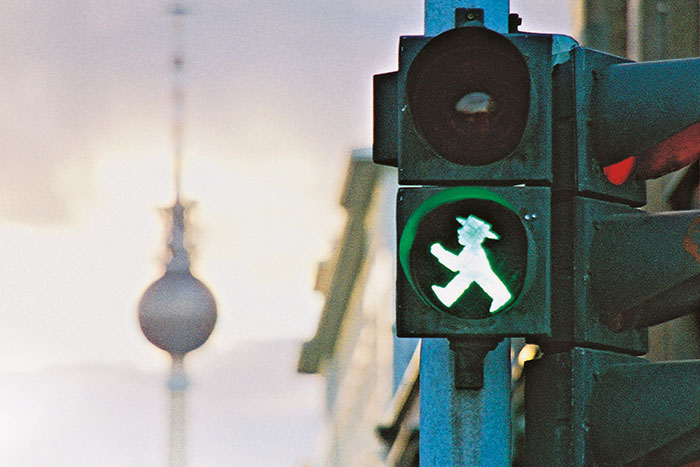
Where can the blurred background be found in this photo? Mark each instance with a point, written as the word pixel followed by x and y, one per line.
pixel 277 96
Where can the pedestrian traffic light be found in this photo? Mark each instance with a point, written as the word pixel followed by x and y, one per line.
pixel 473 261
pixel 528 156
pixel 471 107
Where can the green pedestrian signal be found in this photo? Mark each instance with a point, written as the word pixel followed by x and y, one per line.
pixel 471 265
pixel 469 254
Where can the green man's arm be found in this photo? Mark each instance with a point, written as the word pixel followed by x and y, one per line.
pixel 446 258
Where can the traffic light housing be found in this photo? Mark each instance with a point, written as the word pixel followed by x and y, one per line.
pixel 503 289
pixel 470 107
pixel 439 118
pixel 528 156
pixel 467 106
pixel 588 407
pixel 660 132
pixel 577 167
pixel 630 257
pixel 471 98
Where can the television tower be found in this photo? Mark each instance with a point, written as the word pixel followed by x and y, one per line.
pixel 177 313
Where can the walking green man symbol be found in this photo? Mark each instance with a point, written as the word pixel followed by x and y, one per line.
pixel 470 264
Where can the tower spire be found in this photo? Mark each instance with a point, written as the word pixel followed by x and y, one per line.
pixel 179 257
pixel 178 12
pixel 177 313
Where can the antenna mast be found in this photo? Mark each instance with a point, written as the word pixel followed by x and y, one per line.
pixel 178 11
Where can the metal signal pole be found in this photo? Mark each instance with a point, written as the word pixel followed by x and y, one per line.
pixel 464 427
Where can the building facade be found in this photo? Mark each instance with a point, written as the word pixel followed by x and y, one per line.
pixel 371 376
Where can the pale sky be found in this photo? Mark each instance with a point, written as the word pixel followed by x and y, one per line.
pixel 276 97
pixel 276 94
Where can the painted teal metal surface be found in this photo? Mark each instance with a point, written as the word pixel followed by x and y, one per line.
pixel 439 14
pixel 637 105
pixel 573 144
pixel 462 427
pixel 530 160
pixel 646 412
pixel 645 268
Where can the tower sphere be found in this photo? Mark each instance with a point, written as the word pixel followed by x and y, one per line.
pixel 177 312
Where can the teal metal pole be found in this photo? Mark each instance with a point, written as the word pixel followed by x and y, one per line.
pixel 440 14
pixel 464 427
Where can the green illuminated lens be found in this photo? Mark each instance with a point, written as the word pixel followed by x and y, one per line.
pixel 464 251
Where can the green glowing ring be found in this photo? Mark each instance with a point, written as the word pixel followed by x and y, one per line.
pixel 410 230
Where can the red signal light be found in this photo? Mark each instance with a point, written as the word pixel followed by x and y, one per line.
pixel 673 153
pixel 619 172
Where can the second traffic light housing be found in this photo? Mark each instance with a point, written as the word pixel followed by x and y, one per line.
pixel 589 407
pixel 469 105
pixel 467 93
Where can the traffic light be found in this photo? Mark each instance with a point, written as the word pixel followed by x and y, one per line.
pixel 646 267
pixel 472 262
pixel 469 112
pixel 657 133
pixel 488 122
pixel 635 120
pixel 527 156
pixel 529 141
pixel 588 407
pixel 467 106
pixel 578 165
